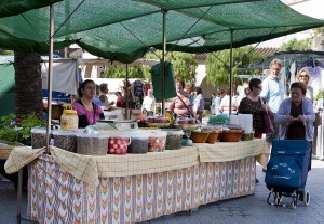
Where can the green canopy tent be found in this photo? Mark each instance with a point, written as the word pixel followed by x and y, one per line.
pixel 125 30
pixel 14 7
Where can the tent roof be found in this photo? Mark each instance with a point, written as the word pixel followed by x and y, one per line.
pixel 15 7
pixel 126 29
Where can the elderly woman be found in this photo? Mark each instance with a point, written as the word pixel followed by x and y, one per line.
pixel 304 77
pixel 181 104
pixel 296 116
pixel 88 111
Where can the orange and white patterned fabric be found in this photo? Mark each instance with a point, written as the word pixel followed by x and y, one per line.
pixel 55 196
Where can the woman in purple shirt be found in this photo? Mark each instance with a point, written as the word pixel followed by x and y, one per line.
pixel 88 112
pixel 296 116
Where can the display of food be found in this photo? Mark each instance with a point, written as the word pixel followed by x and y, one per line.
pixel 156 119
pixel 173 139
pixel 100 140
pixel 38 138
pixel 118 145
pixel 65 140
pixel 199 136
pixel 157 141
pixel 213 137
pixel 218 119
pixel 185 120
pixel 139 144
pixel 231 135
pixel 92 144
pixel 187 127
pixel 247 137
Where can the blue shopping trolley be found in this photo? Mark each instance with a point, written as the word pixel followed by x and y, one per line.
pixel 287 172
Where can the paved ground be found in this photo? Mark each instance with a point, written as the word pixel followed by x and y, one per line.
pixel 248 210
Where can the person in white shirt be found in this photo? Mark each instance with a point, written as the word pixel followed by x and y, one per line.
pixel 149 102
pixel 225 101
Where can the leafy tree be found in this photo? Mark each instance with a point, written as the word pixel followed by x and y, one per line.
pixel 184 66
pixel 6 52
pixel 217 65
pixel 295 44
pixel 119 71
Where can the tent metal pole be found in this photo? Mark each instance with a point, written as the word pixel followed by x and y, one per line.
pixel 50 78
pixel 48 127
pixel 231 72
pixel 126 91
pixel 163 59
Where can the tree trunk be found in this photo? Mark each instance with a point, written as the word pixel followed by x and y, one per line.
pixel 28 83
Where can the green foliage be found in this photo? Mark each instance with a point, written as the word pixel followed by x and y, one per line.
pixel 184 66
pixel 217 65
pixel 319 95
pixel 295 44
pixel 10 132
pixel 119 71
pixel 6 52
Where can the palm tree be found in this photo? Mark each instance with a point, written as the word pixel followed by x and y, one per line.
pixel 28 83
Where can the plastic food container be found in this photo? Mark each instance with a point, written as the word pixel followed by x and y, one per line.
pixel 118 141
pixel 91 144
pixel 38 138
pixel 66 140
pixel 157 141
pixel 118 144
pixel 140 142
pixel 173 139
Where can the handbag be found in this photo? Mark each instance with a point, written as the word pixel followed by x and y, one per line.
pixel 267 121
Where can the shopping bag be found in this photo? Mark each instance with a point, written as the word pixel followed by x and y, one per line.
pixel 267 122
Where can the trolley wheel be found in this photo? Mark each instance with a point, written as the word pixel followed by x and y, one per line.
pixel 295 200
pixel 306 198
pixel 278 201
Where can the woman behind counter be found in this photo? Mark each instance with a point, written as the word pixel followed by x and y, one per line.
pixel 181 103
pixel 88 112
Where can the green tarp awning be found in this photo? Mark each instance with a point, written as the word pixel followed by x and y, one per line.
pixel 15 7
pixel 125 29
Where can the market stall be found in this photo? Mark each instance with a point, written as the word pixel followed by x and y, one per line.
pixel 67 187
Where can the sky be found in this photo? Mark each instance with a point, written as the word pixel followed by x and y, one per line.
pixel 312 8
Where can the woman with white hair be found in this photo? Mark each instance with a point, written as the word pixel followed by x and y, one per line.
pixel 304 77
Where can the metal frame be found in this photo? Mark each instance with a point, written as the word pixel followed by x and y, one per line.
pixel 19 217
pixel 231 72
pixel 163 58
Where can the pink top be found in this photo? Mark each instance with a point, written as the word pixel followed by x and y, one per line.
pixel 81 110
pixel 178 107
